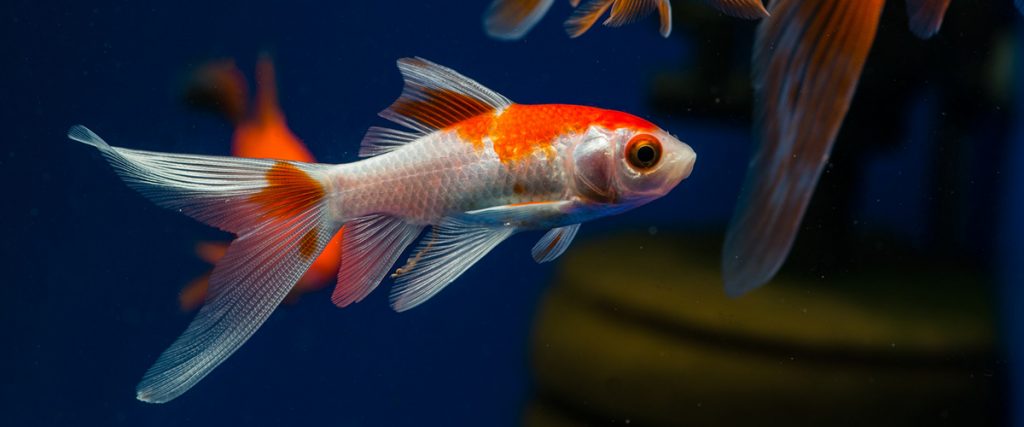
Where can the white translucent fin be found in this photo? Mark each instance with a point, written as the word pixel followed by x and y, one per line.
pixel 531 215
pixel 371 246
pixel 380 140
pixel 926 16
pixel 435 97
pixel 554 243
pixel 278 211
pixel 226 192
pixel 442 256
pixel 807 60
pixel 512 19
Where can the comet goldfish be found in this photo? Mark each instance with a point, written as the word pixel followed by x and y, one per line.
pixel 473 165
pixel 512 19
pixel 260 133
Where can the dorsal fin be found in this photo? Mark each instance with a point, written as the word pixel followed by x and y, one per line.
pixel 435 97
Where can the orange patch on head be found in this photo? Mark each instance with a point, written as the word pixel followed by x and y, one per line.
pixel 521 130
pixel 289 192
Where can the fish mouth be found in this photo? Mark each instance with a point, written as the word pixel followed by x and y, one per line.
pixel 684 159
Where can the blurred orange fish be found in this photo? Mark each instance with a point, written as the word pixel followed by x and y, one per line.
pixel 512 19
pixel 260 133
pixel 808 57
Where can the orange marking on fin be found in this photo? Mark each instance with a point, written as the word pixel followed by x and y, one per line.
pixel 307 245
pixel 518 188
pixel 554 242
pixel 289 192
pixel 440 108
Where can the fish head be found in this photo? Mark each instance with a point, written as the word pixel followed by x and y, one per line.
pixel 628 166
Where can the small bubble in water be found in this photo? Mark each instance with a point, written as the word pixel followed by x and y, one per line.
pixel 652 230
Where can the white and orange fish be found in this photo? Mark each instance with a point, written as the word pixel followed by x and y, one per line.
pixel 512 19
pixel 473 165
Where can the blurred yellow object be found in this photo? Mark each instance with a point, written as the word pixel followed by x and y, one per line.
pixel 637 330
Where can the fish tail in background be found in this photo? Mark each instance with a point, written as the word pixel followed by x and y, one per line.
pixel 807 59
pixel 1020 6
pixel 512 19
pixel 278 209
pixel 219 86
pixel 628 11
pixel 926 16
pixel 585 16
pixel 746 9
pixel 265 104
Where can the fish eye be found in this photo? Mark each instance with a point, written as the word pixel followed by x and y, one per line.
pixel 643 152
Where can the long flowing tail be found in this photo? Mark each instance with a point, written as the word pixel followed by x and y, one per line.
pixel 279 211
pixel 807 60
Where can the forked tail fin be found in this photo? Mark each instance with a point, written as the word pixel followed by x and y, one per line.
pixel 278 209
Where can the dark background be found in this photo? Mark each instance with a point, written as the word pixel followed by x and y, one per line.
pixel 92 270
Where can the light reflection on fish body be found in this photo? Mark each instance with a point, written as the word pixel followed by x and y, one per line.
pixel 474 166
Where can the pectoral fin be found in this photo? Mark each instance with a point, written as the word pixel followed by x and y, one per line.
pixel 521 214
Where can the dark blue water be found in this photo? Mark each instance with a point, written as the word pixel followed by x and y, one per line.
pixel 92 270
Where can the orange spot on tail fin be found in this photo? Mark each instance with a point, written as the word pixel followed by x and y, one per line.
pixel 289 192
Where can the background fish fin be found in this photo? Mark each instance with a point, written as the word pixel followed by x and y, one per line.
pixel 746 9
pixel 371 246
pixel 554 243
pixel 517 215
pixel 379 140
pixel 220 87
pixel 1020 6
pixel 441 257
pixel 435 97
pixel 512 19
pixel 278 210
pixel 585 16
pixel 628 11
pixel 926 16
pixel 808 57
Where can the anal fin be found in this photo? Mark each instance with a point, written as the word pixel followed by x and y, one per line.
pixel 371 246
